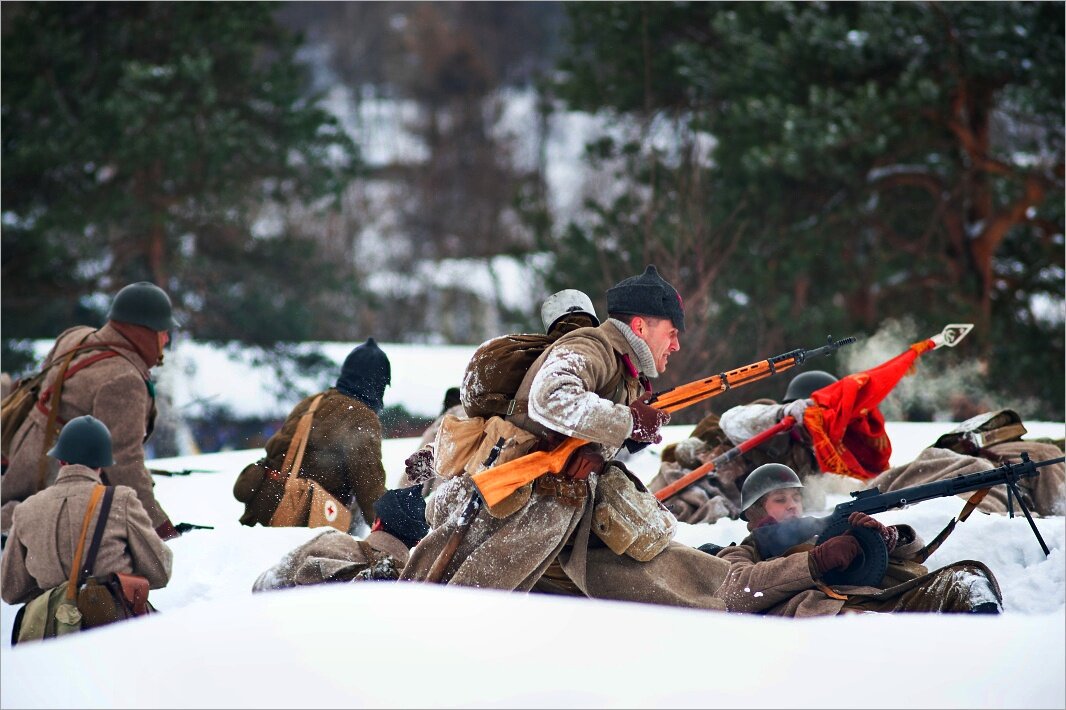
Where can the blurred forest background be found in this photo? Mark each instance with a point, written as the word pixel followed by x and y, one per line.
pixel 427 172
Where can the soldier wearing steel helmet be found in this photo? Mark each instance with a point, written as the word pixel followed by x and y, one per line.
pixel 718 495
pixel 795 584
pixel 46 526
pixel 109 378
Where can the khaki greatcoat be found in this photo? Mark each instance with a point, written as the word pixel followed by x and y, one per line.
pixel 118 392
pixel 572 390
pixel 40 550
pixel 335 556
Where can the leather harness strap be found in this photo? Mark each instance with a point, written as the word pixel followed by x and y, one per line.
pixel 75 562
pixel 295 454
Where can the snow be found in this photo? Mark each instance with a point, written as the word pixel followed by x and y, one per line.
pixel 214 644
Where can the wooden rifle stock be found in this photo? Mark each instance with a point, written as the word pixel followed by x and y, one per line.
pixel 697 473
pixel 497 483
pixel 466 518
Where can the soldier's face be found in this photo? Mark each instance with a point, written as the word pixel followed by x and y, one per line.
pixel 783 504
pixel 661 337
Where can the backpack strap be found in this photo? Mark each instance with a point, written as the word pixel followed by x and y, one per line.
pixel 75 567
pixel 98 534
pixel 54 393
pixel 295 454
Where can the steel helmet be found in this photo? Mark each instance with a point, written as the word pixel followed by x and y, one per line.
pixel 143 303
pixel 561 303
pixel 766 478
pixel 84 440
pixel 804 384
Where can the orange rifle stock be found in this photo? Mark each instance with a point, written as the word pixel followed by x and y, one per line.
pixel 497 483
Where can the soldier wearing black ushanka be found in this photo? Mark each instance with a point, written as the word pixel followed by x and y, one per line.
pixel 343 452
pixel 576 533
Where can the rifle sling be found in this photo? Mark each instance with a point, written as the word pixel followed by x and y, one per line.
pixel 971 504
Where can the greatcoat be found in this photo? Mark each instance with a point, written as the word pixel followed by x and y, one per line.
pixel 573 389
pixel 45 531
pixel 343 454
pixel 335 556
pixel 117 391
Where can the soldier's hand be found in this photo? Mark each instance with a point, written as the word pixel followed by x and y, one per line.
pixel 167 531
pixel 796 409
pixel 888 533
pixel 647 421
pixel 419 466
pixel 835 553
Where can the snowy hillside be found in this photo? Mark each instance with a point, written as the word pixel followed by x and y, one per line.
pixel 407 645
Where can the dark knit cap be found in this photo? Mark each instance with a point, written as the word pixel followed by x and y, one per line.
pixel 365 373
pixel 647 295
pixel 402 512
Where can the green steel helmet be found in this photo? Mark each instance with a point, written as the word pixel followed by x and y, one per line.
pixel 85 440
pixel 766 478
pixel 143 303
pixel 804 384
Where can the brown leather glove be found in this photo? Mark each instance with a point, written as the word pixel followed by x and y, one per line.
pixel 419 466
pixel 890 534
pixel 167 531
pixel 647 420
pixel 835 553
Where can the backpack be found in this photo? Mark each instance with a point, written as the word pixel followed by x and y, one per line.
pixel 16 406
pixel 26 392
pixel 495 372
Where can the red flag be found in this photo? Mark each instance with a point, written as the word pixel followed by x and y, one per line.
pixel 847 428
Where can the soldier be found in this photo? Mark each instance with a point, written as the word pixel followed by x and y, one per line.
pixel 793 585
pixel 334 556
pixel 587 384
pixel 718 495
pixel 45 527
pixel 343 449
pixel 108 377
pixel 982 443
pixel 561 312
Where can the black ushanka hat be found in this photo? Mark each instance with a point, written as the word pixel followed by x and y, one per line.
pixel 647 295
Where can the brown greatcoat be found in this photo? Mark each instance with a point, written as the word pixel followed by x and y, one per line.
pixel 335 556
pixel 787 586
pixel 573 389
pixel 343 454
pixel 1044 494
pixel 118 392
pixel 39 553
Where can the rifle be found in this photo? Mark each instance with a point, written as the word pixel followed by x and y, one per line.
pixel 706 469
pixel 182 472
pixel 186 527
pixel 495 484
pixel 867 570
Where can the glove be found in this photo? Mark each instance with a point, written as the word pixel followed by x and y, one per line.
pixel 419 466
pixel 890 534
pixel 835 553
pixel 796 409
pixel 167 531
pixel 647 420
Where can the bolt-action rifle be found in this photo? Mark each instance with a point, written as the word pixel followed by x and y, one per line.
pixel 182 472
pixel 870 567
pixel 497 483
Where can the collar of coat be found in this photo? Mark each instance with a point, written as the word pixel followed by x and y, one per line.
pixel 73 472
pixel 645 360
pixel 389 544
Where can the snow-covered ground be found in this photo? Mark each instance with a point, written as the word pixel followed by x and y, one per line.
pixel 214 644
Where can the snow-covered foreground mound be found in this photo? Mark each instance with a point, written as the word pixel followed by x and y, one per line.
pixel 411 645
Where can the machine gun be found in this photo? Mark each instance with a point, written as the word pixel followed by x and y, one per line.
pixel 870 567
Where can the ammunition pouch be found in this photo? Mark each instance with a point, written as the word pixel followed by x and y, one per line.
pixel 629 519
